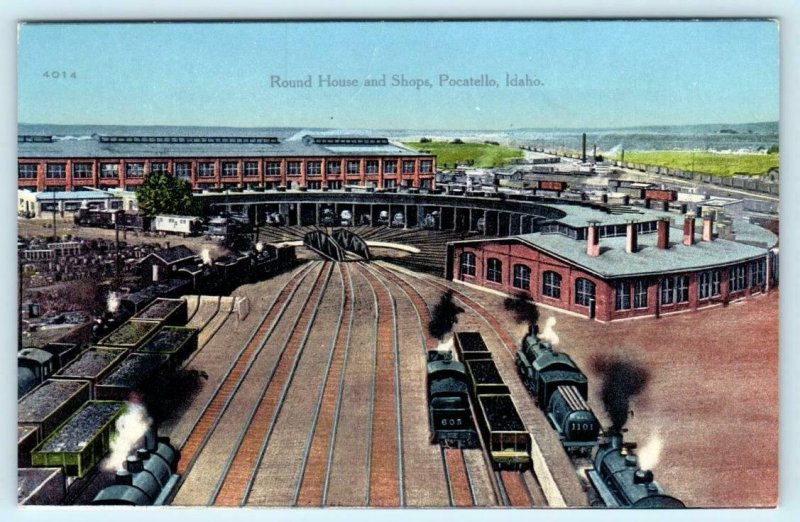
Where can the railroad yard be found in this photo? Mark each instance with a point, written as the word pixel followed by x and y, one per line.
pixel 317 398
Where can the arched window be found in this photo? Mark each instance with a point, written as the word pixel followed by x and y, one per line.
pixel 522 277
pixel 494 270
pixel 584 292
pixel 551 285
pixel 468 264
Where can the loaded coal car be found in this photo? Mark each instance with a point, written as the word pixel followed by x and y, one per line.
pixel 470 345
pixel 621 483
pixel 448 402
pixel 148 478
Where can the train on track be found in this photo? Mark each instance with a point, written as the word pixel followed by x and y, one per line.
pixel 560 389
pixel 475 380
pixel 221 226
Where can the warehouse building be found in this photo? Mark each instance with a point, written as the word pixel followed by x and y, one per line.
pixel 66 157
pixel 610 265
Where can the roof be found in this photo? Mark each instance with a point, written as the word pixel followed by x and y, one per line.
pixel 173 254
pixel 615 262
pixel 104 141
pixel 35 354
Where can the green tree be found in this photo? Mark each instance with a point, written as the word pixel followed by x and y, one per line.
pixel 164 194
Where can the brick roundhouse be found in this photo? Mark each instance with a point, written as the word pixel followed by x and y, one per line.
pixel 68 157
pixel 617 265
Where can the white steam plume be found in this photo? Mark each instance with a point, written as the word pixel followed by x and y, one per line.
pixel 445 345
pixel 650 453
pixel 549 334
pixel 112 302
pixel 131 427
pixel 205 255
pixel 259 246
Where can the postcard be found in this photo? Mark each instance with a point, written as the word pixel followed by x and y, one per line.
pixel 398 264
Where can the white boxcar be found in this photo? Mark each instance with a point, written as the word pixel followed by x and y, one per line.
pixel 185 225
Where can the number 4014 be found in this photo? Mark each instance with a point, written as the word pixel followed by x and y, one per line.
pixel 55 75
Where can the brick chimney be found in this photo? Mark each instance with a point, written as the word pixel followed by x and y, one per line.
pixel 688 230
pixel 708 227
pixel 662 233
pixel 632 241
pixel 593 240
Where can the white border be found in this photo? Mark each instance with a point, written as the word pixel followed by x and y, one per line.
pixel 787 11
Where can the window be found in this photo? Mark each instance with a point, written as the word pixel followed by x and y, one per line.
pixel 494 270
pixel 622 300
pixel 390 167
pixel 313 168
pixel 27 171
pixel 183 170
pixel 158 168
pixel 205 169
pixel 293 168
pixel 737 278
pixel 389 183
pixel 273 168
pixel 134 170
pixel 522 277
pixel 81 170
pixel 56 171
pixel 408 167
pixel 425 167
pixel 314 185
pixel 551 285
pixel 425 184
pixel 584 292
pixel 675 290
pixel 640 294
pixel 758 272
pixel 109 170
pixel 468 264
pixel 334 185
pixel 230 169
pixel 709 284
pixel 372 166
pixel 251 168
pixel 333 167
pixel 353 167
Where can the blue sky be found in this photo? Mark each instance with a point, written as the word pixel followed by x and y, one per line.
pixel 591 74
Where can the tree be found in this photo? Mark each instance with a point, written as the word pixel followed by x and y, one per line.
pixel 164 194
pixel 424 140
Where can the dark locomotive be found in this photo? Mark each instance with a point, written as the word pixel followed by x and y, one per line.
pixel 560 389
pixel 448 399
pixel 620 481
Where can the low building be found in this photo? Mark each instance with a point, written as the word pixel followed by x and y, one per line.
pixel 42 204
pixel 611 266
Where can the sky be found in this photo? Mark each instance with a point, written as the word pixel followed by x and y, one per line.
pixel 592 74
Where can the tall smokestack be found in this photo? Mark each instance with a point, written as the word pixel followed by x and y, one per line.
pixel 708 227
pixel 632 242
pixel 594 153
pixel 662 232
pixel 688 230
pixel 583 148
pixel 593 241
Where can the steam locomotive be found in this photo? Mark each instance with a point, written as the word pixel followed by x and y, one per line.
pixel 560 389
pixel 448 399
pixel 620 481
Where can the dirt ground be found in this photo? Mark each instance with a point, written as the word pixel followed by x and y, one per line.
pixel 711 399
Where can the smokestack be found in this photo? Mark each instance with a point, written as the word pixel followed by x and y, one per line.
pixel 708 228
pixel 688 230
pixel 662 232
pixel 583 155
pixel 593 241
pixel 134 465
pixel 632 242
pixel 622 158
pixel 123 478
pixel 594 153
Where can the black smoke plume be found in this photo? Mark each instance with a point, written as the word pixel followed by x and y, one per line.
pixel 443 316
pixel 524 311
pixel 622 380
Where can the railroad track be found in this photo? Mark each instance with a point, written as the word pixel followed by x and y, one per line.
pixel 386 454
pixel 220 399
pixel 311 485
pixel 236 481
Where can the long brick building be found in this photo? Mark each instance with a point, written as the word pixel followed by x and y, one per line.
pixel 67 157
pixel 617 265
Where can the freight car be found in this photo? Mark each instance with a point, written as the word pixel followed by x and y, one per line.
pixel 448 402
pixel 502 430
pixel 173 224
pixel 620 481
pixel 560 389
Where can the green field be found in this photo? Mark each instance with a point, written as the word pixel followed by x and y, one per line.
pixel 483 155
pixel 706 162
